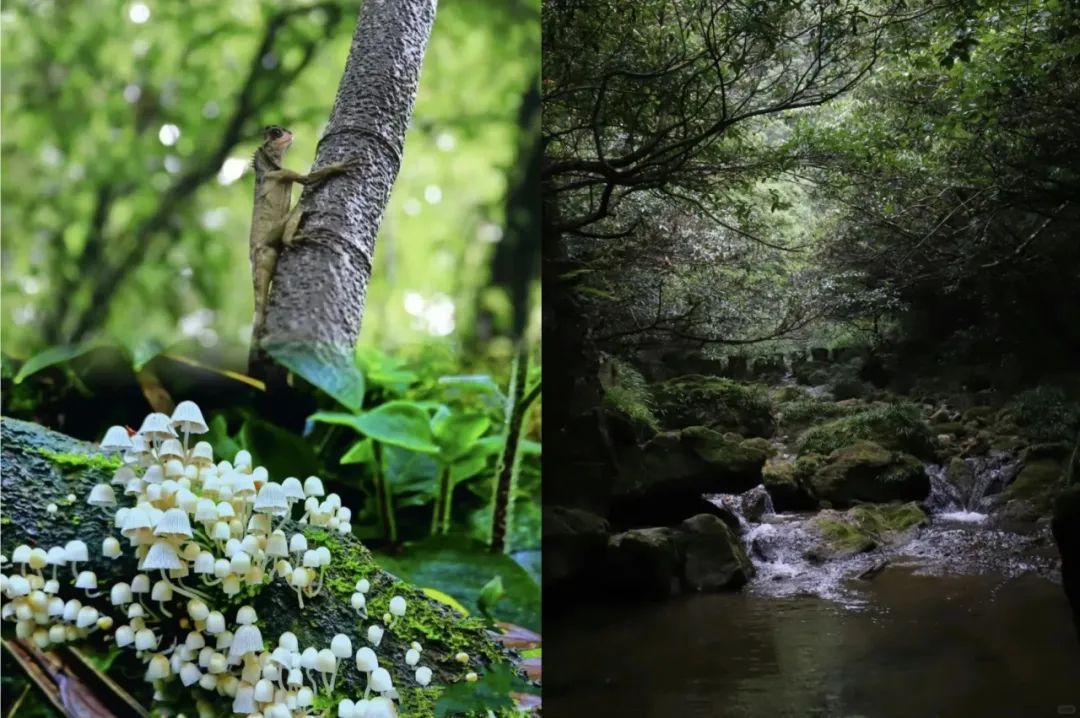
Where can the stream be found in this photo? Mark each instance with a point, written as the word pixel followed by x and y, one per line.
pixel 963 617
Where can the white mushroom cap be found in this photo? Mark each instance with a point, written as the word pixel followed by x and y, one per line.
pixel 288 641
pixel 174 523
pixel 86 580
pixel 171 449
pixel 313 486
pixel 260 475
pixel 18 586
pixel 161 555
pixel 322 555
pixel 277 545
pixel 158 668
pixel 271 499
pixel 381 707
pixel 294 490
pixel 244 701
pixel 76 551
pixel 242 460
pixel 153 474
pixel 125 636
pixel 296 677
pixel 366 660
pixel 423 675
pixel 116 439
pixel 346 708
pixel 123 475
pixel 190 674
pixel 215 623
pixel 374 634
pixel 397 606
pixel 247 639
pixel 341 646
pixel 305 697
pixel 202 454
pixel 298 543
pixel 56 556
pixel 380 680
pixel 325 661
pixel 206 511
pixel 145 640
pixel 363 585
pixel 412 657
pixel 120 594
pixel 245 616
pixel 188 417
pixel 102 495
pixel 308 657
pixel 157 426
pixel 242 484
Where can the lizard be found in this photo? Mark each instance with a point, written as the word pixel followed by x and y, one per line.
pixel 275 219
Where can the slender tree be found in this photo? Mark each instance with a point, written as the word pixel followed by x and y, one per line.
pixel 318 291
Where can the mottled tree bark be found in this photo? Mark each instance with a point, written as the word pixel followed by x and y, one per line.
pixel 319 287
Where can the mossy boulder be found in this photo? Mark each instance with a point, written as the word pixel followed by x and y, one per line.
pixel 1037 481
pixel 803 412
pixel 575 541
pixel 867 472
pixel 960 475
pixel 713 556
pixel 788 493
pixel 662 481
pixel 701 554
pixel 715 403
pixel 41 466
pixel 864 528
pixel 898 427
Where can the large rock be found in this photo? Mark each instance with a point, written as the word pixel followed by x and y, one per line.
pixel 646 562
pixel 866 472
pixel 701 554
pixel 713 557
pixel 716 403
pixel 575 542
pixel 788 492
pixel 662 481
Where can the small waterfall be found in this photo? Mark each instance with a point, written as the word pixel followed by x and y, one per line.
pixel 968 501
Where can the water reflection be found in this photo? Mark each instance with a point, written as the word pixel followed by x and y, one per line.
pixel 921 646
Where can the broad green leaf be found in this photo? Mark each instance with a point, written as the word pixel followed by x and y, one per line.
pixel 446 599
pixel 398 423
pixel 360 453
pixel 56 355
pixel 490 594
pixel 491 693
pixel 456 433
pixel 333 372
pixel 461 567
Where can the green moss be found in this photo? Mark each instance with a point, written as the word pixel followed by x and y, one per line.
pixel 805 412
pixel 420 702
pixel 695 400
pixel 70 462
pixel 1035 479
pixel 723 450
pixel 843 538
pixel 894 426
pixel 5 520
pixel 760 444
pixel 864 527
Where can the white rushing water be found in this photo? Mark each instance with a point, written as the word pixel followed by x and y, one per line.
pixel 959 539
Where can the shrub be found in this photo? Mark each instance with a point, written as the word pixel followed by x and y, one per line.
pixel 1046 414
pixel 628 392
pixel 895 426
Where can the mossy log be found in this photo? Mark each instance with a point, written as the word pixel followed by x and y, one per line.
pixel 40 466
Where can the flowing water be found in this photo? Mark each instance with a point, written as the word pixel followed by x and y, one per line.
pixel 962 618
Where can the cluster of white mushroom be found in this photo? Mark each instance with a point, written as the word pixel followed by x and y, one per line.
pixel 40 615
pixel 195 524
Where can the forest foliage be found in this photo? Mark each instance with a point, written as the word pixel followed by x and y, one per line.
pixel 725 173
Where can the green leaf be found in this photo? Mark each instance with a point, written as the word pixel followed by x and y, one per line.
pixel 446 599
pixel 456 433
pixel 282 452
pixel 57 355
pixel 218 437
pixel 334 372
pixel 461 567
pixel 360 453
pixel 490 694
pixel 490 594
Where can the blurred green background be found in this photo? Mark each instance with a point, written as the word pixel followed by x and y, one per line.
pixel 127 132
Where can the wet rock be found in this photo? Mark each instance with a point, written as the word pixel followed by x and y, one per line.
pixel 715 403
pixel 701 554
pixel 645 562
pixel 658 510
pixel 961 476
pixel 713 557
pixel 574 545
pixel 864 528
pixel 866 472
pixel 787 492
pixel 756 503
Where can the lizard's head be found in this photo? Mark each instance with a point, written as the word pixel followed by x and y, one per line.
pixel 276 140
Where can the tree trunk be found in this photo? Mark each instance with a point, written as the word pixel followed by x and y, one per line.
pixel 318 290
pixel 41 466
